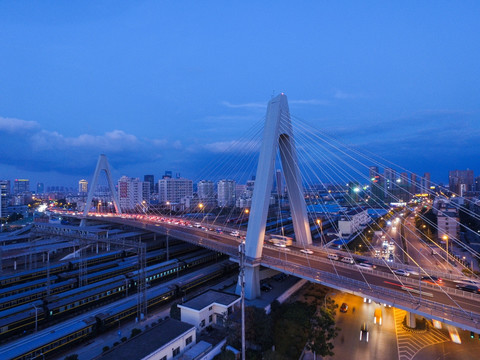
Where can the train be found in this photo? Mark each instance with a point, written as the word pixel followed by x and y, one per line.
pixel 27 277
pixel 46 343
pixel 108 288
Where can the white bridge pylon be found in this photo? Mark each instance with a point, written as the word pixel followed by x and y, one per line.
pixel 277 134
pixel 102 164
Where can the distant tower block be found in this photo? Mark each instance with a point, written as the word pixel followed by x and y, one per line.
pixel 102 164
pixel 277 134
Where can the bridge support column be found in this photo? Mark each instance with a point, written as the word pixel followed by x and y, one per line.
pixel 252 282
pixel 411 321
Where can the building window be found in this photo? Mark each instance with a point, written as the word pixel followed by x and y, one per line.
pixel 176 351
pixel 210 308
pixel 164 358
pixel 189 340
pixel 210 318
pixel 202 323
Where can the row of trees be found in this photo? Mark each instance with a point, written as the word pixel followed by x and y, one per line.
pixel 287 330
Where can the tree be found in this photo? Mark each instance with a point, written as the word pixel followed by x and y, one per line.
pixel 298 325
pixel 258 330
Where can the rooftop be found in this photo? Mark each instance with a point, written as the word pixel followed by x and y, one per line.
pixel 208 298
pixel 148 341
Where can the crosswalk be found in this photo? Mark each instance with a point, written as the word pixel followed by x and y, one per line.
pixel 410 343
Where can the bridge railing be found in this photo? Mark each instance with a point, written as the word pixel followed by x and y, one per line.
pixel 402 279
pixel 403 300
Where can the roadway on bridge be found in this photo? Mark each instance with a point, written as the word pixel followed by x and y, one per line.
pixel 292 256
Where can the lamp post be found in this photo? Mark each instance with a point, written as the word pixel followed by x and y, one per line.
pixel 445 237
pixel 169 208
pixel 241 251
pixel 320 225
pixel 201 206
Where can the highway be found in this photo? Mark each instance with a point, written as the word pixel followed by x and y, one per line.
pixel 441 301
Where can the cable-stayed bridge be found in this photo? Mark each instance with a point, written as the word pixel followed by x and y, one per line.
pixel 303 166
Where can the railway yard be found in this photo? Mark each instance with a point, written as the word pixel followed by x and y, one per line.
pixel 46 309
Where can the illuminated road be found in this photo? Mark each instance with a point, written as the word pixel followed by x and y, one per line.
pixel 442 302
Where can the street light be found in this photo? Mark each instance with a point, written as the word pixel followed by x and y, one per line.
pixel 202 206
pixel 445 237
pixel 169 208
pixel 320 224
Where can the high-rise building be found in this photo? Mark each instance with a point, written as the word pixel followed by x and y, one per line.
pixel 83 186
pixel 278 183
pixel 414 184
pixel 460 181
pixel 173 190
pixel 226 193
pixel 376 185
pixel 21 186
pixel 205 189
pixel 4 195
pixel 130 193
pixel 40 188
pixel 426 183
pixel 151 180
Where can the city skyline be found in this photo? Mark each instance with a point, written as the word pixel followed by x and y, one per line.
pixel 158 86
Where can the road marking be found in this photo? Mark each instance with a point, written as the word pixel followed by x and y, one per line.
pixel 410 343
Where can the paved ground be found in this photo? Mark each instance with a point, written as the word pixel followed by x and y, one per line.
pixel 410 343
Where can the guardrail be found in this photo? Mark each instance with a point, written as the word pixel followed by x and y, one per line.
pixel 407 301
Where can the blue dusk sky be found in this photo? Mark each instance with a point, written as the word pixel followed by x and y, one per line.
pixel 162 85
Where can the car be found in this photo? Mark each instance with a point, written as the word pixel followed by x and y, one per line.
pixel 235 233
pixel 280 245
pixel 365 265
pixel 364 332
pixel 469 281
pixel 306 251
pixel 347 260
pixel 344 308
pixel 401 272
pixel 468 287
pixel 432 280
pixel 377 316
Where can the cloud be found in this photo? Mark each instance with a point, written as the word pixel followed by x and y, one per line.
pixel 114 141
pixel 12 125
pixel 309 102
pixel 254 105
pixel 27 147
pixel 342 95
pixel 233 146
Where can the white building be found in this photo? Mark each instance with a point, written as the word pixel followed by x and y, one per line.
pixel 209 308
pixel 352 221
pixel 166 341
pixel 130 193
pixel 226 193
pixel 205 189
pixel 172 190
pixel 448 225
pixel 83 186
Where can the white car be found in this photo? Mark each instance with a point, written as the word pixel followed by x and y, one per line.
pixel 401 272
pixel 306 251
